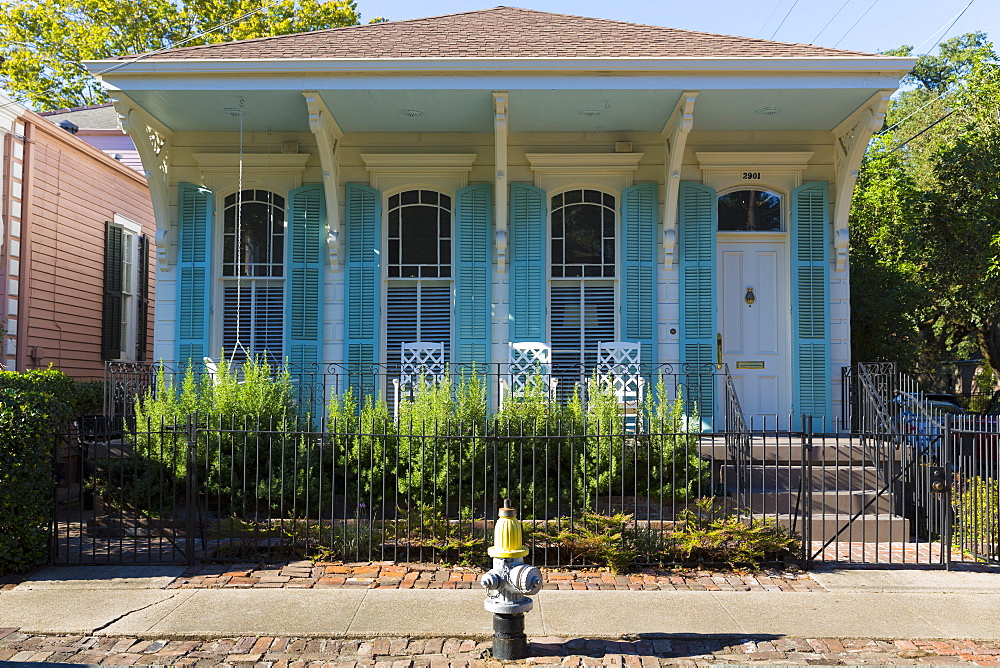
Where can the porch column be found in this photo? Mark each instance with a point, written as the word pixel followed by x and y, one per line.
pixel 501 305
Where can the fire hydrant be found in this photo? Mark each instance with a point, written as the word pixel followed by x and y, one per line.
pixel 508 585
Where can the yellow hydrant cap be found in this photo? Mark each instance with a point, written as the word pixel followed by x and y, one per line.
pixel 507 536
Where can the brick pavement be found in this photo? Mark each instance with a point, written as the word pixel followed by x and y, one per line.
pixel 273 652
pixel 392 575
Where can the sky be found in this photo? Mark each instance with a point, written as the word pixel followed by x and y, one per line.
pixel 856 25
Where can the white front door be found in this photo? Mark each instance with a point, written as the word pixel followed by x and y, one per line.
pixel 755 336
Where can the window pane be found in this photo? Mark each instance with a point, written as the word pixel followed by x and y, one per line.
pixel 428 197
pixel 750 211
pixel 446 202
pixel 592 196
pixel 409 197
pixel 573 196
pixel 583 234
pixel 419 235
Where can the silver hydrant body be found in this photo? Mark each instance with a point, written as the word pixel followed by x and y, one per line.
pixel 508 585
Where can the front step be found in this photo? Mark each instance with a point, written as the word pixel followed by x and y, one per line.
pixel 881 528
pixel 823 501
pixel 787 477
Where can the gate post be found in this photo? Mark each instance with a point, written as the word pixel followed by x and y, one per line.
pixel 190 487
pixel 805 485
pixel 945 497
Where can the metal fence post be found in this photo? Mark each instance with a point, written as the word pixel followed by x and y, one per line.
pixel 190 489
pixel 947 530
pixel 805 495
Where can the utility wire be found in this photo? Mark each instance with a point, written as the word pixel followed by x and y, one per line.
pixel 950 25
pixel 787 14
pixel 875 2
pixel 778 4
pixel 902 144
pixel 830 21
pixel 172 45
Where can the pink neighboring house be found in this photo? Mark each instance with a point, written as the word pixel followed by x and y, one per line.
pixel 75 247
pixel 98 126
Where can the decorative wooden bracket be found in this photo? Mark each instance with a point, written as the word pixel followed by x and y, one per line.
pixel 328 136
pixel 152 142
pixel 850 141
pixel 675 134
pixel 500 141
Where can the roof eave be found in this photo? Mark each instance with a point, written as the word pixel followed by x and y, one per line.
pixel 214 67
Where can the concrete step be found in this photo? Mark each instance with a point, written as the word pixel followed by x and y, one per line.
pixel 823 501
pixel 882 528
pixel 760 478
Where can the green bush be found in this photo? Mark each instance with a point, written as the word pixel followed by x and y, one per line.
pixel 28 421
pixel 247 456
pixel 977 516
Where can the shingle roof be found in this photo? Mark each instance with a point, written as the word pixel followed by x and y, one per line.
pixel 503 32
pixel 93 117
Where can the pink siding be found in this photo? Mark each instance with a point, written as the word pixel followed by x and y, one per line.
pixel 113 144
pixel 72 190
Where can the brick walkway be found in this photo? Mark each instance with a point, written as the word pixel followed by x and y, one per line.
pixel 435 652
pixel 390 575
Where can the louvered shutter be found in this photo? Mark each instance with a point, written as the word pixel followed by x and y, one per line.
pixel 698 218
pixel 527 266
pixel 304 286
pixel 111 315
pixel 638 271
pixel 363 220
pixel 142 302
pixel 194 234
pixel 810 301
pixel 473 275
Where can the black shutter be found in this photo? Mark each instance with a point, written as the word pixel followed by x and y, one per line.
pixel 111 318
pixel 142 301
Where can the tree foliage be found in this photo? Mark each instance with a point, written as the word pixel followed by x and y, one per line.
pixel 925 220
pixel 43 42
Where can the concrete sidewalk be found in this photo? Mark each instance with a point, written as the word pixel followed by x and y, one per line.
pixel 133 602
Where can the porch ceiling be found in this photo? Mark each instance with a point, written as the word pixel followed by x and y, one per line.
pixel 471 110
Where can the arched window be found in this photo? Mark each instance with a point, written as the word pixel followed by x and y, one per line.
pixel 582 294
pixel 253 255
pixel 750 210
pixel 418 270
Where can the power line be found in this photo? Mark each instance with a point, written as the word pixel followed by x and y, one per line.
pixel 778 4
pixel 945 32
pixel 830 21
pixel 170 46
pixel 902 144
pixel 787 14
pixel 875 2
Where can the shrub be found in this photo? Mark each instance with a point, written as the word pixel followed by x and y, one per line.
pixel 977 524
pixel 28 421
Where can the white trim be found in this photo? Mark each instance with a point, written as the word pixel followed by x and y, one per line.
pixel 675 133
pixel 733 160
pixel 870 66
pixel 127 224
pixel 556 172
pixel 400 171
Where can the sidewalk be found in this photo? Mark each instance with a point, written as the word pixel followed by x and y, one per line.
pixel 904 616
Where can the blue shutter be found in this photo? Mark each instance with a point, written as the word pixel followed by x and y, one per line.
pixel 527 265
pixel 639 303
pixel 698 218
pixel 364 221
pixel 473 275
pixel 194 234
pixel 304 283
pixel 810 301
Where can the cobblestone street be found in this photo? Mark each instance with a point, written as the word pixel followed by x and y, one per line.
pixel 413 653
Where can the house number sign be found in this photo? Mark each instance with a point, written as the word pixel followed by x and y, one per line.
pixel 751 176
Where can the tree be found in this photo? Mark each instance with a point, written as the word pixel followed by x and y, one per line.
pixel 43 42
pixel 925 219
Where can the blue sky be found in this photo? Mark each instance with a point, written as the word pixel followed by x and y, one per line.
pixel 880 24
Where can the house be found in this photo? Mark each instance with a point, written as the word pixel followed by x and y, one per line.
pixel 510 175
pixel 98 125
pixel 74 251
